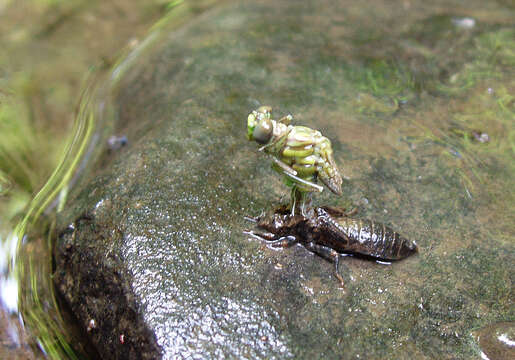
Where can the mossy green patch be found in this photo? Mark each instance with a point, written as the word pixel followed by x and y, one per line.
pixel 381 78
pixel 492 56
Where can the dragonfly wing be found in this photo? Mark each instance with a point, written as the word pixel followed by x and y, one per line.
pixel 328 173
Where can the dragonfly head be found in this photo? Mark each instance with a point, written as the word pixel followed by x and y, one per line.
pixel 259 125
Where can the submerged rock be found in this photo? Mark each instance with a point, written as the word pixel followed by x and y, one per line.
pixel 497 341
pixel 151 248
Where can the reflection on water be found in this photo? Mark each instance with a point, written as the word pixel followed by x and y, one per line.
pixel 8 284
pixel 26 283
pixel 29 312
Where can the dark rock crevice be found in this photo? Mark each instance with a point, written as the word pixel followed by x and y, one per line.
pixel 94 284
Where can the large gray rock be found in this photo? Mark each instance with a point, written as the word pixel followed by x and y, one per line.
pixel 151 256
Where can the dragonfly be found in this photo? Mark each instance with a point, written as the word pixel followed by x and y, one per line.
pixel 301 154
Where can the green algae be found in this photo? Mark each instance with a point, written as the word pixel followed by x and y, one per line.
pixel 493 55
pixel 381 78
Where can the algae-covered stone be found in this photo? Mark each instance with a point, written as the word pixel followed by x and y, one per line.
pixel 152 246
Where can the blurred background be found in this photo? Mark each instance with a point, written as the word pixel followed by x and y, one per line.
pixel 49 48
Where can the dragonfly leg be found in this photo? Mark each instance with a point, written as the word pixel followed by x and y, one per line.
pixel 283 167
pixel 336 211
pixel 276 142
pixel 284 242
pixel 351 212
pixel 286 119
pixel 255 219
pixel 330 254
pixel 306 183
pixel 266 236
pixel 272 240
pixel 293 200
pixel 300 202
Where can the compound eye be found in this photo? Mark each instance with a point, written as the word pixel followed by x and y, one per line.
pixel 263 131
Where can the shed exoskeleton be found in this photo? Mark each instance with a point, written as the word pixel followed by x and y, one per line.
pixel 329 232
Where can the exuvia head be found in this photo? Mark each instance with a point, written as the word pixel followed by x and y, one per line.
pixel 259 125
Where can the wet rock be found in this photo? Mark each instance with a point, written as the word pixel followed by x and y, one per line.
pixel 151 245
pixel 497 341
pixel 464 23
pixel 482 137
